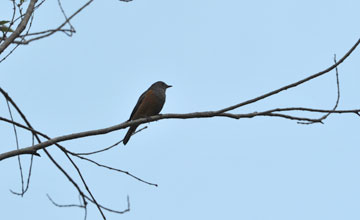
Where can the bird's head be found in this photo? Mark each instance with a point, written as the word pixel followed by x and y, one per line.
pixel 160 85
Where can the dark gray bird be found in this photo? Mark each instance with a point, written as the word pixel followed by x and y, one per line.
pixel 150 103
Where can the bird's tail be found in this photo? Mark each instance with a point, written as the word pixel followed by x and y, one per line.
pixel 128 134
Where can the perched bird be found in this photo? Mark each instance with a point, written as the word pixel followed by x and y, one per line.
pixel 150 103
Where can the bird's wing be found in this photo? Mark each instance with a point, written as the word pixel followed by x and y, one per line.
pixel 138 104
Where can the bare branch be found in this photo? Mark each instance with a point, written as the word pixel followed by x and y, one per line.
pixel 20 28
pixel 207 114
pixel 51 32
pixel 25 42
pixel 85 184
pixel 112 210
pixel 337 99
pixel 66 18
pixel 293 117
pixel 82 206
pixel 83 158
pixel 69 205
pixel 292 84
pixel 43 34
pixel 19 159
pixel 46 152
pixel 82 195
pixel 22 126
pixel 30 167
pixel 64 206
pixel 111 168
pixel 11 22
pixel 355 111
pixel 107 148
pixel 22 39
pixel 47 31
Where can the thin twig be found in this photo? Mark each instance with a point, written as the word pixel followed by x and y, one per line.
pixel 20 27
pixel 84 182
pixel 312 110
pixel 111 168
pixel 337 99
pixel 30 167
pixel 67 176
pixel 82 206
pixel 10 52
pixel 11 22
pixel 22 40
pixel 21 126
pixel 47 31
pixel 18 157
pixel 78 155
pixel 112 210
pixel 107 148
pixel 293 117
pixel 66 18
pixel 292 84
pixel 63 206
pixel 62 25
pixel 46 152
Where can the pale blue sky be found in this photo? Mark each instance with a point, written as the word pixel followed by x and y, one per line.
pixel 215 54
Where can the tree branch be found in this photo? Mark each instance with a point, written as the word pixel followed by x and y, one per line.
pixel 207 114
pixel 59 28
pixel 20 28
pixel 51 32
pixel 292 84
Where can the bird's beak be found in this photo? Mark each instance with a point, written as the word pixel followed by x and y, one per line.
pixel 168 86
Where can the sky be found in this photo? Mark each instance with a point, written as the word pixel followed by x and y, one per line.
pixel 214 54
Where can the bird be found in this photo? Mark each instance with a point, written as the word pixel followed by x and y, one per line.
pixel 150 103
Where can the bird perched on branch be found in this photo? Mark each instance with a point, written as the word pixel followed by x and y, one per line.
pixel 150 103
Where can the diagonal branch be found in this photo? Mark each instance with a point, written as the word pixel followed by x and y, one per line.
pixel 292 84
pixel 85 184
pixel 81 193
pixel 20 28
pixel 79 154
pixel 46 152
pixel 110 168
